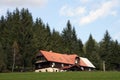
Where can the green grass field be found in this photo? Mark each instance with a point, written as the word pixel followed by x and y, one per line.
pixel 61 76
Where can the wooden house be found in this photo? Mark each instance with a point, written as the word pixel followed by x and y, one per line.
pixel 47 61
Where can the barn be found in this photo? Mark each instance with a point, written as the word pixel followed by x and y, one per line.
pixel 48 61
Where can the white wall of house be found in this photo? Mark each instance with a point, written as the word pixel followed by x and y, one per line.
pixel 50 69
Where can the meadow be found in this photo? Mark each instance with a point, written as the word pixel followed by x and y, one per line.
pixel 61 76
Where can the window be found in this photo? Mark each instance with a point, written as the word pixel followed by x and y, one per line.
pixel 62 65
pixel 39 66
pixel 77 60
pixel 53 64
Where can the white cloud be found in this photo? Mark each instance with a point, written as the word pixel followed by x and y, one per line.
pixel 18 3
pixel 104 10
pixel 70 11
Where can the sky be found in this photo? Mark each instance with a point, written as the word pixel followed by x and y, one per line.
pixel 87 16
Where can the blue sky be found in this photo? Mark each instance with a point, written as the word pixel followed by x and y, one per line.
pixel 87 16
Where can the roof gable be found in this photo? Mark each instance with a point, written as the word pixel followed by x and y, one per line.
pixel 86 62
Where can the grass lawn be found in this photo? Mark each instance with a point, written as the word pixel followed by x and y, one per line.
pixel 61 76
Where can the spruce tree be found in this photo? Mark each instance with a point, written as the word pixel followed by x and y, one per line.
pixel 105 50
pixel 91 51
pixel 56 42
pixel 2 59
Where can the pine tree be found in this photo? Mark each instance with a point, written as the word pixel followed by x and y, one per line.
pixel 91 51
pixel 67 36
pixel 26 34
pixel 70 42
pixel 105 49
pixel 47 36
pixel 114 56
pixel 56 42
pixel 2 59
pixel 80 48
pixel 38 35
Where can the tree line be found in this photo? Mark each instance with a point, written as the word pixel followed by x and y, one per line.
pixel 21 38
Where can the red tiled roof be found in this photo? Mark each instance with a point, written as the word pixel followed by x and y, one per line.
pixel 57 57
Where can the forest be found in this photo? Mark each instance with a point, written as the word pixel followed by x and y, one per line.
pixel 21 38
